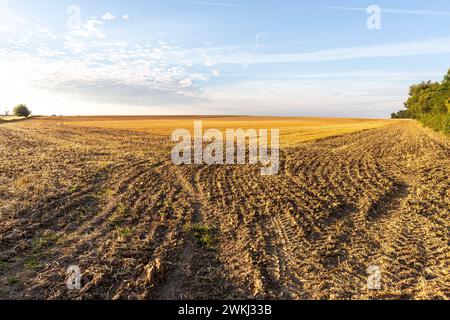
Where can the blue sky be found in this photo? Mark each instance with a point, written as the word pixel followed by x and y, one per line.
pixel 291 57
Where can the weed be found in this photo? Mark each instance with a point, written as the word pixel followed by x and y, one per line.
pixel 125 232
pixel 205 236
pixel 33 263
pixel 121 209
pixel 75 188
pixel 81 216
pixel 12 281
pixel 108 193
pixel 118 218
pixel 44 241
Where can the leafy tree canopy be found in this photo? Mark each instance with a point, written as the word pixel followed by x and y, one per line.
pixel 22 110
pixel 429 102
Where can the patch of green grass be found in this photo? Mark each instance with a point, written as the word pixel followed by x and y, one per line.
pixel 12 281
pixel 205 236
pixel 109 192
pixel 44 241
pixel 102 171
pixel 122 209
pixel 2 265
pixel 118 218
pixel 80 216
pixel 33 263
pixel 187 228
pixel 125 232
pixel 115 220
pixel 166 211
pixel 104 194
pixel 75 188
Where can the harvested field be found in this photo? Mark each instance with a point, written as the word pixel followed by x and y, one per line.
pixel 9 118
pixel 292 130
pixel 104 195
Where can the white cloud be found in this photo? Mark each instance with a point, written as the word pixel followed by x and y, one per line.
pixel 122 78
pixel 126 17
pixel 91 29
pixel 74 45
pixel 114 73
pixel 49 53
pixel 342 98
pixel 47 33
pixel 399 49
pixel 85 70
pixel 108 16
pixel 186 83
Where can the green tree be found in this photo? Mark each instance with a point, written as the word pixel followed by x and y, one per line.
pixel 22 111
pixel 420 99
pixel 441 96
pixel 429 102
pixel 402 114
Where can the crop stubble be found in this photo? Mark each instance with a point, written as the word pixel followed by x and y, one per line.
pixel 111 202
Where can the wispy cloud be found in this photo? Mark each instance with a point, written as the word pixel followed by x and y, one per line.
pixel 212 3
pixel 342 97
pixel 90 29
pixel 391 11
pixel 88 65
pixel 108 16
pixel 96 64
pixel 399 49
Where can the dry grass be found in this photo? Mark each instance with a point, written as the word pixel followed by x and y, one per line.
pixel 112 202
pixel 10 118
pixel 292 130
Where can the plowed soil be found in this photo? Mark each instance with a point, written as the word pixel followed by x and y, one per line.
pixel 111 202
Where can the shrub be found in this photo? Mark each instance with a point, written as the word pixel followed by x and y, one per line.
pixel 446 123
pixel 403 114
pixel 22 111
pixel 437 122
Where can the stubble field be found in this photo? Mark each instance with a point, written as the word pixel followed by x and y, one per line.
pixel 103 194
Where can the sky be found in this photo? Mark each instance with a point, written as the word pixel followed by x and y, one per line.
pixel 249 57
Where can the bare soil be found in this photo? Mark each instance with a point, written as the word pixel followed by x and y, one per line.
pixel 111 202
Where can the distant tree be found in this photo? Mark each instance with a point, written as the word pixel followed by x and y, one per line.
pixel 402 114
pixel 6 113
pixel 22 111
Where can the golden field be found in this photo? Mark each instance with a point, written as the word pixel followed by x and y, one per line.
pixel 102 193
pixel 9 118
pixel 292 130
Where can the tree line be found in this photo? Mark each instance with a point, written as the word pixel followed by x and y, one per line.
pixel 429 103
